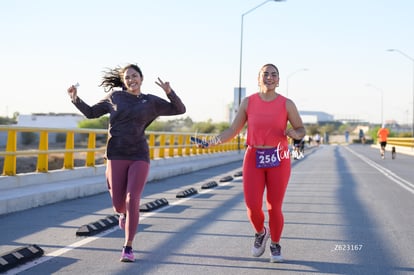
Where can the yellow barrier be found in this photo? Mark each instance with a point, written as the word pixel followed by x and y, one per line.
pixel 178 145
pixel 406 142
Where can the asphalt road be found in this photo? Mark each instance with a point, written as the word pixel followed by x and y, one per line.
pixel 346 212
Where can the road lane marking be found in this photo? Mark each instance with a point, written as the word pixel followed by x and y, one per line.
pixel 90 239
pixel 409 186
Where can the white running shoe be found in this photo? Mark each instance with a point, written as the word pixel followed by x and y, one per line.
pixel 260 243
pixel 275 253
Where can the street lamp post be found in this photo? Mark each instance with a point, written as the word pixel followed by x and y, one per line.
pixel 382 100
pixel 241 53
pixel 290 75
pixel 412 60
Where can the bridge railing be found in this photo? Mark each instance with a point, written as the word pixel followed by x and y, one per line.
pixel 161 144
pixel 405 142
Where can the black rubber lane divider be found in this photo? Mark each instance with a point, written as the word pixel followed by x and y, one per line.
pixel 238 174
pixel 208 185
pixel 226 178
pixel 19 256
pixel 98 226
pixel 153 205
pixel 186 193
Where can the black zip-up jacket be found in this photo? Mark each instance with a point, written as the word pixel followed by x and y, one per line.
pixel 129 116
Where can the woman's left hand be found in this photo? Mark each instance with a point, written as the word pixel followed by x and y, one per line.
pixel 292 134
pixel 164 85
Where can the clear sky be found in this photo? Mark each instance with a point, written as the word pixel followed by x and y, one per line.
pixel 46 45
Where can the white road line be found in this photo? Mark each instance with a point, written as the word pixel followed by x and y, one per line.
pixel 409 186
pixel 87 240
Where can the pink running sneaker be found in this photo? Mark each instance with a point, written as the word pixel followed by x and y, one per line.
pixel 121 221
pixel 127 255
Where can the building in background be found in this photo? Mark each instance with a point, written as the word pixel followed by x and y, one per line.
pixel 314 117
pixel 308 117
pixel 48 120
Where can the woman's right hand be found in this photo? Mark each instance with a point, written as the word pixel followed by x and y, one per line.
pixel 73 93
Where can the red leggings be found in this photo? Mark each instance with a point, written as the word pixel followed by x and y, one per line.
pixel 126 180
pixel 255 180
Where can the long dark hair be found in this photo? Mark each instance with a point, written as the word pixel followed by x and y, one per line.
pixel 113 77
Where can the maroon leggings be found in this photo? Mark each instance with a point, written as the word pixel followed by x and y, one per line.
pixel 255 180
pixel 126 180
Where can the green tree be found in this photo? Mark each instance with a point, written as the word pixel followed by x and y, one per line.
pixel 204 127
pixel 96 123
pixel 175 125
pixel 328 128
pixel 312 129
pixel 7 120
pixel 221 126
pixel 158 126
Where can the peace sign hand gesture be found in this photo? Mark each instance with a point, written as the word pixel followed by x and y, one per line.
pixel 164 85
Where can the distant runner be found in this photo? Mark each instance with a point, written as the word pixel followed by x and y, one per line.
pixel 382 138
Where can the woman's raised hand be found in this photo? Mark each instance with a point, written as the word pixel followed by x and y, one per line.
pixel 73 92
pixel 164 85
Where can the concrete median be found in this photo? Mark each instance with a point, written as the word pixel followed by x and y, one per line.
pixel 29 190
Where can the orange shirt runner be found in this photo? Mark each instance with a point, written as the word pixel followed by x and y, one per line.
pixel 383 134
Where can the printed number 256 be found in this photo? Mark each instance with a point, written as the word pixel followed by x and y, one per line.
pixel 267 158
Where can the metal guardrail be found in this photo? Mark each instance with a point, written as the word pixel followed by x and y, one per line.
pixel 405 142
pixel 161 144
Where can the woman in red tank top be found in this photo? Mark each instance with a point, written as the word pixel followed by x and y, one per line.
pixel 266 163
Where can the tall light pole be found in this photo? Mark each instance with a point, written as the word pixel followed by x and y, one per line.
pixel 382 100
pixel 241 53
pixel 290 75
pixel 412 60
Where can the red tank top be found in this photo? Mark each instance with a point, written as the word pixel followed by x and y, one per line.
pixel 266 121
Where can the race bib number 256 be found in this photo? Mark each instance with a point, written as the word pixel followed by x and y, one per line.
pixel 267 158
